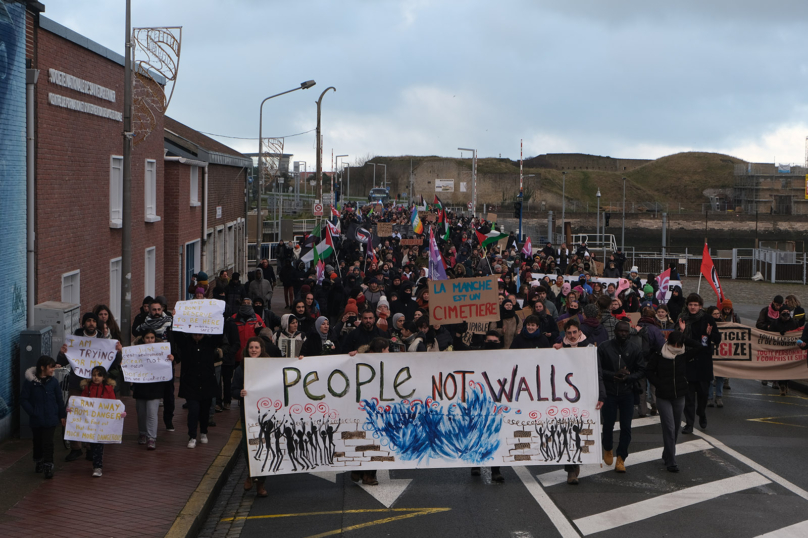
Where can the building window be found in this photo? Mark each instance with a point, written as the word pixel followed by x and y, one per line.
pixel 116 192
pixel 150 271
pixel 195 187
pixel 231 246
pixel 150 190
pixel 192 249
pixel 115 287
pixel 71 287
pixel 219 249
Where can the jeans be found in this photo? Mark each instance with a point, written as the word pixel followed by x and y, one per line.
pixel 670 417
pixel 647 397
pixel 623 403
pixel 218 373
pixel 43 444
pixel 718 389
pixel 147 417
pixel 195 418
pixel 168 401
pixel 97 451
pixel 696 401
pixel 227 382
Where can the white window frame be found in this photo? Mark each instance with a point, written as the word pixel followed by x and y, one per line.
pixel 150 272
pixel 219 250
pixel 197 258
pixel 115 191
pixel 195 187
pixel 230 245
pixel 115 283
pixel 150 190
pixel 74 296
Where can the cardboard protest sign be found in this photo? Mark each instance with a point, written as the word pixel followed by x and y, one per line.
pixel 412 242
pixel 491 217
pixel 748 353
pixel 84 353
pixel 423 410
pixel 463 299
pixel 203 316
pixel 478 327
pixel 147 363
pixel 94 420
pixel 384 229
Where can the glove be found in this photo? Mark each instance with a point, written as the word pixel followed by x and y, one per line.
pixel 123 414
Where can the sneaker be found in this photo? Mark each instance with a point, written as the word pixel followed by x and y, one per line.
pixel 719 402
pixel 687 430
pixel 726 384
pixel 218 409
pixel 48 467
pixel 710 403
pixel 191 443
pixel 608 457
pixel 170 426
pixel 673 469
pixel 620 466
pixel 203 438
pixel 226 406
pixel 141 439
pixel 96 473
pixel 73 455
pixel 211 422
pixel 151 444
pixel 39 466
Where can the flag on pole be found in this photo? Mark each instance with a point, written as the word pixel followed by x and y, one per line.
pixel 320 271
pixel 436 269
pixel 490 238
pixel 417 227
pixel 322 250
pixel 423 202
pixel 437 202
pixel 317 229
pixel 664 280
pixel 527 250
pixel 335 230
pixel 709 272
pixel 334 212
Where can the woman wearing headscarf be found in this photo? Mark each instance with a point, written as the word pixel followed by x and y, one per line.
pixel 289 330
pixel 509 324
pixel 317 342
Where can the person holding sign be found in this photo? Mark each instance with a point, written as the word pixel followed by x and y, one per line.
pixel 197 353
pixel 147 400
pixel 41 398
pixel 100 387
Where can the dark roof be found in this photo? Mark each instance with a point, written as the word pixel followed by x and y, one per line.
pixel 197 138
pixel 182 141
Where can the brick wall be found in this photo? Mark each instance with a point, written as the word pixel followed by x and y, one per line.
pixel 225 190
pixel 73 177
pixel 183 224
pixel 12 207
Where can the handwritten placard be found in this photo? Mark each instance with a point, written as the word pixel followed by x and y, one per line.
pixel 463 299
pixel 491 217
pixel 412 242
pixel 94 420
pixel 384 229
pixel 85 353
pixel 147 363
pixel 203 316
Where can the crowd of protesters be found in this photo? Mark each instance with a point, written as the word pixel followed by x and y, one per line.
pixel 371 295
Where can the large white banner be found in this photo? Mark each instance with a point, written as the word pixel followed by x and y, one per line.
pixel 202 316
pixel 422 410
pixel 85 353
pixel 147 363
pixel 94 420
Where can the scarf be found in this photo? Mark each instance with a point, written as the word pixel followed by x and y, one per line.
pixel 649 321
pixel 690 319
pixel 592 322
pixel 773 314
pixel 317 325
pixel 670 352
pixel 581 338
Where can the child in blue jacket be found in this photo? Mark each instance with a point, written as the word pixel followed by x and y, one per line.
pixel 41 397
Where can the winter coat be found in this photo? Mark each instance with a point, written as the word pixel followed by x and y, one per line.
pixel 676 304
pixel 260 287
pixel 612 356
pixel 313 346
pixel 655 336
pixel 91 390
pixel 42 400
pixel 594 331
pixel 247 328
pixel 668 375
pixel 509 329
pixel 198 374
pixel 609 322
pixel 526 340
pixel 701 367
pixel 444 338
pixel 361 337
pixel 234 293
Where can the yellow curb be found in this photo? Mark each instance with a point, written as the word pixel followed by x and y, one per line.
pixel 192 515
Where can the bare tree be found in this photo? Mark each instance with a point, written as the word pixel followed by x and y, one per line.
pixel 360 160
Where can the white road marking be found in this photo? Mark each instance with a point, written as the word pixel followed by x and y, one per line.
pixel 668 503
pixel 331 476
pixel 521 534
pixel 774 477
pixel 389 489
pixel 562 524
pixel 654 454
pixel 637 423
pixel 798 530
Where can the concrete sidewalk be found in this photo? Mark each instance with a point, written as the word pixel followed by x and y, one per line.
pixel 142 493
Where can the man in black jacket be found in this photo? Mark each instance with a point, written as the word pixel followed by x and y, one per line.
pixel 622 363
pixel 701 334
pixel 363 334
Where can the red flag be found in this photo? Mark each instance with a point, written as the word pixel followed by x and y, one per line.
pixel 664 283
pixel 527 250
pixel 709 272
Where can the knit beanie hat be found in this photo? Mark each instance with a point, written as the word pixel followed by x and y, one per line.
pixel 726 304
pixel 351 307
pixel 383 302
pixel 89 315
pixel 648 288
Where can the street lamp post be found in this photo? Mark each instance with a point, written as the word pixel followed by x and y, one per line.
pixel 304 178
pixel 342 193
pixel 563 204
pixel 259 228
pixel 522 203
pixel 623 233
pixel 473 179
pixel 597 218
pixel 385 174
pixel 319 173
pixel 374 173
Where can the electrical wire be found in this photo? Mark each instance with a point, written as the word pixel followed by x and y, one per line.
pixel 256 138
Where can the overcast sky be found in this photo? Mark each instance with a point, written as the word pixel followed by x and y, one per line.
pixel 620 78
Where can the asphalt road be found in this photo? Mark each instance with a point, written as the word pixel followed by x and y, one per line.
pixel 746 475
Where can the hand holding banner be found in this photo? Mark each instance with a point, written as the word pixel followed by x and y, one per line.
pixel 203 316
pixel 84 353
pixel 147 363
pixel 94 420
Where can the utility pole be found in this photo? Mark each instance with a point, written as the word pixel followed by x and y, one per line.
pixel 319 171
pixel 126 220
pixel 623 233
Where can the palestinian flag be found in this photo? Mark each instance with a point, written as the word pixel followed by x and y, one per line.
pixel 322 250
pixel 437 202
pixel 490 238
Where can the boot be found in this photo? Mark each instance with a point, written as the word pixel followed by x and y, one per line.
pixel 620 466
pixel 48 468
pixel 369 478
pixel 496 476
pixel 572 478
pixel 73 455
pixel 261 490
pixel 475 471
pixel 248 484
pixel 654 411
pixel 719 402
pixel 783 389
pixel 39 466
pixel 608 457
pixel 711 403
pixel 726 384
pixel 356 476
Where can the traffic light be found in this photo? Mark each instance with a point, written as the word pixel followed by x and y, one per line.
pixel 608 216
pixel 517 209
